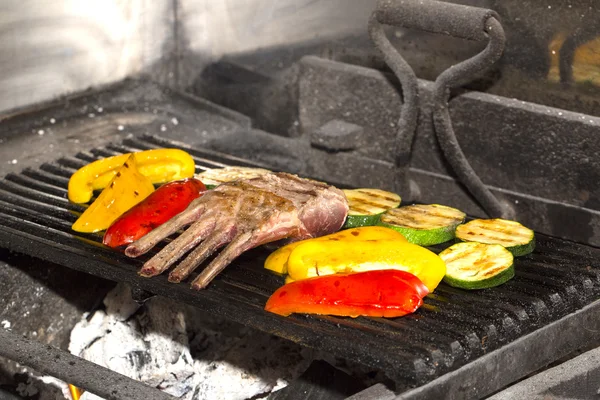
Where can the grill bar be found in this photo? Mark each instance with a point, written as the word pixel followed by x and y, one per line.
pixel 451 330
pixel 96 379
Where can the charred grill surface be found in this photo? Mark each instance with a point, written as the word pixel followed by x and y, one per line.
pixel 453 328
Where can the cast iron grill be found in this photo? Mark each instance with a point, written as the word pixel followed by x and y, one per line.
pixel 453 328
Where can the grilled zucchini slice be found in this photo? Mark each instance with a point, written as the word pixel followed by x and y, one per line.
pixel 366 205
pixel 216 176
pixel 472 265
pixel 424 224
pixel 517 239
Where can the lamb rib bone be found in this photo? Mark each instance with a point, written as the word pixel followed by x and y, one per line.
pixel 242 215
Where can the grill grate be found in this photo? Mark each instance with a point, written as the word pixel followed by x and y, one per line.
pixel 453 327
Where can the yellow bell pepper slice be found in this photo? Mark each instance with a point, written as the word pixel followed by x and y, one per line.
pixel 159 165
pixel 277 261
pixel 125 190
pixel 318 258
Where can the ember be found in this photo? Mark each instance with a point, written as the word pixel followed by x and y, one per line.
pixel 184 351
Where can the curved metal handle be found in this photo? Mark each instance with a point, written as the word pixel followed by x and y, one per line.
pixel 472 23
pixel 456 20
pixel 453 77
pixel 407 123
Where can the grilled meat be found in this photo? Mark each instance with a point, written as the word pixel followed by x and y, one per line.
pixel 245 214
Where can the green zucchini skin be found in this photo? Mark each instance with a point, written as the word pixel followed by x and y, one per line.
pixel 523 249
pixel 497 280
pixel 356 221
pixel 414 217
pixel 425 237
pixel 367 205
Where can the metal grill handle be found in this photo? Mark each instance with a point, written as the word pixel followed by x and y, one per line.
pixel 407 123
pixel 456 20
pixel 472 23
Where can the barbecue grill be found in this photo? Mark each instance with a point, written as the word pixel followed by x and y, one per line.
pixel 382 127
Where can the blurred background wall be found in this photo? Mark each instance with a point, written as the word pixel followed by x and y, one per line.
pixel 53 47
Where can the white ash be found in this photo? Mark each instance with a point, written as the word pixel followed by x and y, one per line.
pixel 42 388
pixel 185 352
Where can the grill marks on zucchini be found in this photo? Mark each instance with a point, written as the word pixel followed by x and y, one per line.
pixel 370 201
pixel 424 224
pixel 366 205
pixel 485 258
pixel 516 238
pixel 472 265
pixel 425 216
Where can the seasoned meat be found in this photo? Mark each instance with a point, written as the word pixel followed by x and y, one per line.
pixel 242 215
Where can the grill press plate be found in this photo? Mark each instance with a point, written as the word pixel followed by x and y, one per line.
pixel 452 328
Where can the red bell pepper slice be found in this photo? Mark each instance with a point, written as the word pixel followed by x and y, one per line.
pixel 160 206
pixel 381 293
